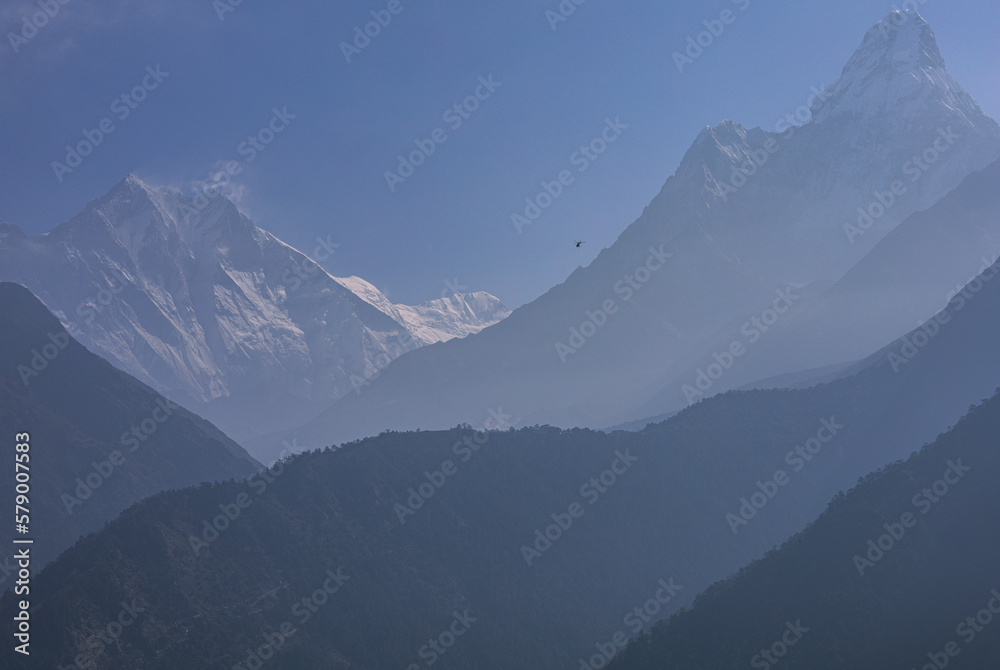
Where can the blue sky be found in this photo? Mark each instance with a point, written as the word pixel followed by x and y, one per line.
pixel 323 176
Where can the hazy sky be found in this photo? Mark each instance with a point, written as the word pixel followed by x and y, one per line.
pixel 324 174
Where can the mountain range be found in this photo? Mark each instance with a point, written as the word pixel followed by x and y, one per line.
pixel 548 538
pixel 193 299
pixel 899 573
pixel 921 264
pixel 798 248
pixel 794 344
pixel 754 224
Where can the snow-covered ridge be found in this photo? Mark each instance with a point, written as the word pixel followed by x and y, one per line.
pixel 205 306
pixel 897 69
pixel 746 212
pixel 440 320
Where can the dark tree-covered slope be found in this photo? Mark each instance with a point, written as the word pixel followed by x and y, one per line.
pixel 100 440
pixel 899 573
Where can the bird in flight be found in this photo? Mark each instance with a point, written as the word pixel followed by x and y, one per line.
pixel 578 243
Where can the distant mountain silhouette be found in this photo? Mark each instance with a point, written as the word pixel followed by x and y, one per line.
pixel 899 573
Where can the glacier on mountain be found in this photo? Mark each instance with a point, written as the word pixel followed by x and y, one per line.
pixel 211 310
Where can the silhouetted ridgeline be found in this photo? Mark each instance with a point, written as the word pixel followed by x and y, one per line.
pixel 900 573
pixel 636 510
pixel 100 439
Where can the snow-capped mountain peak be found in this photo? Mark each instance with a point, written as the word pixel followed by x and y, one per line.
pixel 454 316
pixel 904 39
pixel 194 299
pixel 433 321
pixel 369 294
pixel 897 70
pixel 720 147
pixel 747 214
